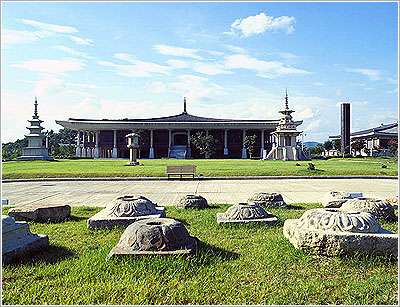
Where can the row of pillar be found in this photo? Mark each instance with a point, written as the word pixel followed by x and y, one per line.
pixel 88 136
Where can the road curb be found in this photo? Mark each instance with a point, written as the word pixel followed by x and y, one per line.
pixel 195 179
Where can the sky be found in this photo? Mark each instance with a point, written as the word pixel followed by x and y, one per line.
pixel 231 60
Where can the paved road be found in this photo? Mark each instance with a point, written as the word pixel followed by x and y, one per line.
pixel 99 193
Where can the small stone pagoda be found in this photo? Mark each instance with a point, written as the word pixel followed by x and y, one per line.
pixel 35 149
pixel 285 146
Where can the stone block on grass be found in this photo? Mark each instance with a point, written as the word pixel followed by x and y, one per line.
pixel 332 232
pixel 18 241
pixel 192 202
pixel 246 213
pixel 377 207
pixel 268 200
pixel 124 211
pixel 41 212
pixel 156 236
pixel 335 199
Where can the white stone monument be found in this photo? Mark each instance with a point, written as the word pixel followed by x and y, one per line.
pixel 35 149
pixel 17 240
pixel 285 147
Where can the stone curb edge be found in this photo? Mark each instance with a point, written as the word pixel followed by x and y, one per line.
pixel 195 179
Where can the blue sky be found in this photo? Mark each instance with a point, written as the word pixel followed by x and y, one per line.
pixel 231 60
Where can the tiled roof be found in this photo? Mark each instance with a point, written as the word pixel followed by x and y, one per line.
pixel 183 117
pixel 382 129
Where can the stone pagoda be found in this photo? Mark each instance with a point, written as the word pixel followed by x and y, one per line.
pixel 285 146
pixel 35 149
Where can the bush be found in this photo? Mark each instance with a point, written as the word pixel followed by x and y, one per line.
pixel 384 166
pixel 311 166
pixel 318 157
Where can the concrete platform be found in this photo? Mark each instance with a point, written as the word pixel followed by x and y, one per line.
pixel 167 193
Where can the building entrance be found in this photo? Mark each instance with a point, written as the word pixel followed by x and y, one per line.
pixel 180 139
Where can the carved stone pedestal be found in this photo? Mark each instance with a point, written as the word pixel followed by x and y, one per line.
pixel 157 236
pixel 125 210
pixel 331 232
pixel 246 213
pixel 18 241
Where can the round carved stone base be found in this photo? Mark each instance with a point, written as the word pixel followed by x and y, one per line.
pixel 332 232
pixel 377 207
pixel 335 199
pixel 131 205
pixel 244 213
pixel 268 200
pixel 125 210
pixel 192 202
pixel 155 236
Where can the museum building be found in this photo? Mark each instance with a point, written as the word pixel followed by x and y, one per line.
pixel 170 136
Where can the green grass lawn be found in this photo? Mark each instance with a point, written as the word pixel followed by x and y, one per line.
pixel 235 265
pixel 209 168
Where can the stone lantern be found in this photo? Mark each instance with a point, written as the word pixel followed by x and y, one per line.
pixel 133 145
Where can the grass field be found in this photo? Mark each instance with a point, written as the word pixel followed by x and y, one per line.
pixel 235 265
pixel 209 168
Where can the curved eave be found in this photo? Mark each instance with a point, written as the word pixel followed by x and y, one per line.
pixel 127 125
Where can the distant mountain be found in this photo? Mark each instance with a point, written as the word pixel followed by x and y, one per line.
pixel 311 144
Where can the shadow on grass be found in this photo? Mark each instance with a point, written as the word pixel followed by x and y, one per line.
pixel 294 207
pixel 74 218
pixel 216 252
pixel 50 255
pixel 213 206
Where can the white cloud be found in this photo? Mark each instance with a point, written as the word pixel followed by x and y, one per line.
pixel 178 64
pixel 156 87
pixel 312 125
pixel 48 83
pixel 10 37
pixel 48 26
pixel 392 81
pixel 51 66
pixel 135 68
pixel 235 49
pixel 372 74
pixel 305 113
pixel 211 68
pixel 73 52
pixel 195 88
pixel 261 23
pixel 286 55
pixel 265 69
pixel 81 41
pixel 318 84
pixel 178 51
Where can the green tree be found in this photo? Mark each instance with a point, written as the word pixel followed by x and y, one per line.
pixel 204 143
pixel 357 145
pixel 328 145
pixel 12 150
pixel 249 143
pixel 61 142
pixel 317 150
pixel 337 144
pixel 393 147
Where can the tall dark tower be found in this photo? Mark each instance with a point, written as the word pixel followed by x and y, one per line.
pixel 345 127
